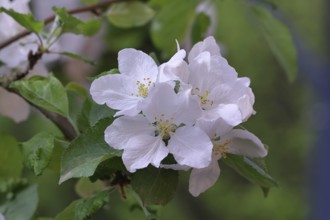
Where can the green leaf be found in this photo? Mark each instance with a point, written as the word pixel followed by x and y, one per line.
pixel 22 205
pixel 78 57
pixel 45 92
pixel 155 186
pixel 200 27
pixel 253 170
pixel 83 208
pixel 86 152
pixel 89 1
pixel 130 14
pixel 85 188
pixel 107 168
pixel 38 152
pixel 279 40
pixel 26 20
pixel 77 88
pixel 92 113
pixel 172 23
pixel 11 157
pixel 71 24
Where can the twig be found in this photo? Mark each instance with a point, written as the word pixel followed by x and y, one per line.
pixel 50 19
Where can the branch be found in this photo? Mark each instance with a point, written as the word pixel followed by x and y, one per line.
pixel 88 8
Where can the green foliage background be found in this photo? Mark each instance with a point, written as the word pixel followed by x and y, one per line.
pixel 281 122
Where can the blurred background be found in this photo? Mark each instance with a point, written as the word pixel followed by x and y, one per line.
pixel 291 116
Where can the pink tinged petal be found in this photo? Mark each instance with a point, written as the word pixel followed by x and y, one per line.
pixel 191 146
pixel 209 44
pixel 143 150
pixel 202 179
pixel 122 129
pixel 13 106
pixel 244 143
pixel 118 92
pixel 137 64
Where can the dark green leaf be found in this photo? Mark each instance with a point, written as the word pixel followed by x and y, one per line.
pixel 10 156
pixel 199 27
pixel 155 186
pixel 86 152
pixel 172 23
pixel 22 205
pixel 71 24
pixel 279 40
pixel 26 20
pixel 108 167
pixel 254 171
pixel 45 92
pixel 89 1
pixel 130 14
pixel 91 113
pixel 38 152
pixel 83 208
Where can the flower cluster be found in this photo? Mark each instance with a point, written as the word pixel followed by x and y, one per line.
pixel 188 109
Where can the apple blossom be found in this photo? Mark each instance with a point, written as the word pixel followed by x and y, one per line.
pixel 166 126
pixel 225 140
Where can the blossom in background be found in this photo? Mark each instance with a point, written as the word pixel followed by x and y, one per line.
pixel 225 140
pixel 13 59
pixel 2 217
pixel 166 126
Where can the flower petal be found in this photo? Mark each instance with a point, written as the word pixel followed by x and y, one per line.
pixel 215 128
pixel 118 92
pixel 244 143
pixel 191 146
pixel 143 150
pixel 136 64
pixel 202 179
pixel 124 128
pixel 13 106
pixel 208 44
pixel 230 113
pixel 164 103
pixel 175 69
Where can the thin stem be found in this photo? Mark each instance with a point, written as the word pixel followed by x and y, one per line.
pixel 50 19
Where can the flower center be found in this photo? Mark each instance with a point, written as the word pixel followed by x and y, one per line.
pixel 205 102
pixel 143 87
pixel 221 149
pixel 164 128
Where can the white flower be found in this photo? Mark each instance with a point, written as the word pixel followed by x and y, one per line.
pixel 166 126
pixel 15 55
pixel 2 217
pixel 126 91
pixel 225 140
pixel 222 94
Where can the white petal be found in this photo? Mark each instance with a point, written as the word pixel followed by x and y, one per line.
pixel 244 143
pixel 175 69
pixel 143 150
pixel 230 113
pixel 2 217
pixel 215 128
pixel 118 92
pixel 13 106
pixel 202 179
pixel 123 128
pixel 209 44
pixel 181 107
pixel 191 146
pixel 137 64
